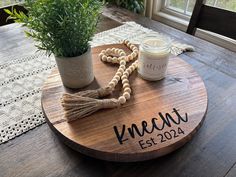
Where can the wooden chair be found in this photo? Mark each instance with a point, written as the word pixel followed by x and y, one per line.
pixel 212 19
pixel 4 15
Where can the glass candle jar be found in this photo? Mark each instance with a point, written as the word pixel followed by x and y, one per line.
pixel 154 52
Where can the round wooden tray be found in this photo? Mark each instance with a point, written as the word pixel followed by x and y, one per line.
pixel 159 118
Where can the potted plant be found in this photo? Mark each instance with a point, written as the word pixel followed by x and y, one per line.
pixel 63 28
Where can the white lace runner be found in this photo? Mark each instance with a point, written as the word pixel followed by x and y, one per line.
pixel 21 81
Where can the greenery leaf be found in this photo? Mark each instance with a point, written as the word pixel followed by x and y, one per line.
pixel 61 27
pixel 136 6
pixel 8 11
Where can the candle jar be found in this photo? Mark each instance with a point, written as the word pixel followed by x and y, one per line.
pixel 154 52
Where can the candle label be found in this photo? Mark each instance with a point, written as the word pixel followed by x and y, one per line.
pixel 152 67
pixel 160 129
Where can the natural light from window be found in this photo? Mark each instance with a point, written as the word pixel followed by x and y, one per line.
pixel 186 6
pixel 4 3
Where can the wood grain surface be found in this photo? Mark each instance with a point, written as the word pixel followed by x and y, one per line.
pixel 211 153
pixel 172 109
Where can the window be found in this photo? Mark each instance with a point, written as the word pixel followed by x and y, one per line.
pixel 177 13
pixel 4 3
pixel 185 7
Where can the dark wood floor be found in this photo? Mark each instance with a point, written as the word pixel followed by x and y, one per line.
pixel 211 153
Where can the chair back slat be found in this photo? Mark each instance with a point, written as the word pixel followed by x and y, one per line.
pixel 218 20
pixel 195 17
pixel 213 19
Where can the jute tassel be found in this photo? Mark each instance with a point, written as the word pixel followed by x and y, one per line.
pixel 77 106
pixel 98 93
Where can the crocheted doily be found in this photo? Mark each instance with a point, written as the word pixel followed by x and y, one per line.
pixel 21 81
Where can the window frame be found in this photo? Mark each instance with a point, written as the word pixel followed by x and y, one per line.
pixel 172 11
pixel 181 21
pixel 168 16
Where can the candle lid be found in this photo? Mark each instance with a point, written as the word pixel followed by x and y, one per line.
pixel 156 43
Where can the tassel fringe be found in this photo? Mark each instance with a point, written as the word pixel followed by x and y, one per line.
pixel 76 106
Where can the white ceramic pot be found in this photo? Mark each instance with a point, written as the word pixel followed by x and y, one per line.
pixel 76 72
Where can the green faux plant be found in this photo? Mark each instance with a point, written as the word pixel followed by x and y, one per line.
pixel 136 6
pixel 61 27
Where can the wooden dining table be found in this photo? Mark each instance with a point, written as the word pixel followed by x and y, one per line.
pixel 211 153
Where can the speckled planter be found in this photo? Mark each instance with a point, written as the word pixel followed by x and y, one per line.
pixel 76 72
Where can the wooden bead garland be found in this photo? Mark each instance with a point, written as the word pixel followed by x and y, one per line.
pixel 121 72
pixel 84 103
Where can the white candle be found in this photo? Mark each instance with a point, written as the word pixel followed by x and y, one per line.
pixel 153 57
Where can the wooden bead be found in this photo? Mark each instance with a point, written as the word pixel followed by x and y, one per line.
pixel 122 54
pixel 129 70
pixel 119 73
pixel 132 47
pixel 122 62
pixel 126 74
pixel 109 59
pixel 124 81
pixel 127 90
pixel 126 85
pixel 100 55
pixel 115 81
pixel 118 60
pixel 116 51
pixel 122 100
pixel 126 95
pixel 126 41
pixel 104 58
pixel 123 77
pixel 114 60
pixel 135 64
pixel 117 77
pixel 132 67
pixel 129 44
pixel 108 50
pixel 111 84
pixel 123 67
pixel 121 70
pixel 133 55
pixel 109 88
pixel 120 50
pixel 113 49
pixel 130 57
